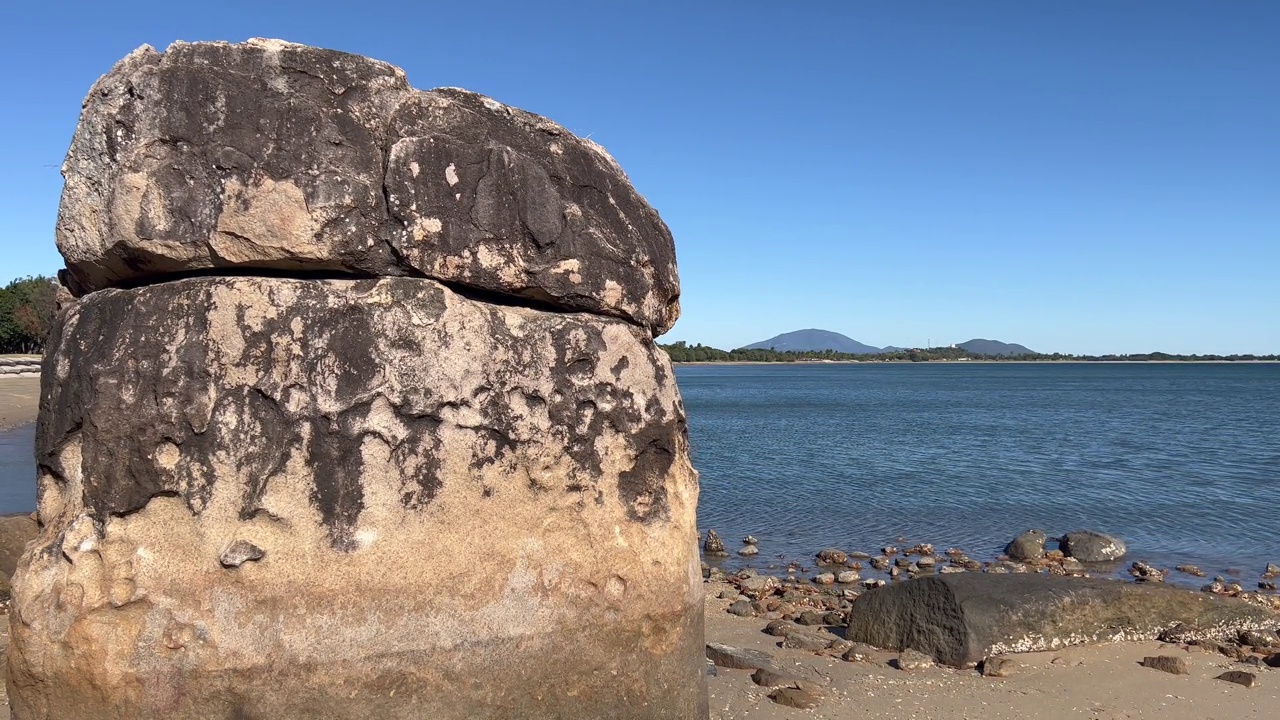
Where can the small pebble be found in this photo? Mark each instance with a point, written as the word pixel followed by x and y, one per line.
pixel 912 660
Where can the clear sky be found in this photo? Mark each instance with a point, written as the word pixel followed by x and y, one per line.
pixel 1088 177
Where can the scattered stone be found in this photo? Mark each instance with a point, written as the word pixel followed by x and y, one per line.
pixel 1266 585
pixel 951 569
pixel 1146 573
pixel 811 617
pixel 795 697
pixel 735 658
pixel 832 556
pixel 1181 634
pixel 750 540
pixel 880 563
pixel 1027 546
pixel 1167 663
pixel 1273 570
pixel 889 551
pixel 998 667
pixel 1190 570
pixel 749 550
pixel 239 553
pixel 772 677
pixel 1259 638
pixel 811 641
pixel 859 556
pixel 923 549
pixel 1090 546
pixel 926 562
pixel 713 545
pixel 1239 677
pixel 873 583
pixel 1272 660
pixel 759 586
pixel 833 618
pixel 780 628
pixel 742 608
pixel 728 594
pixel 1071 566
pixel 1206 645
pixel 825 578
pixel 860 652
pixel 913 660
pixel 848 576
pixel 902 563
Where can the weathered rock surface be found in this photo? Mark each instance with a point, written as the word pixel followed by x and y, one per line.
pixel 15 532
pixel 960 619
pixel 238 478
pixel 1027 546
pixel 273 156
pixel 1090 546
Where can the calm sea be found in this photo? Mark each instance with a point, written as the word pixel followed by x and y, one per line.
pixel 1181 461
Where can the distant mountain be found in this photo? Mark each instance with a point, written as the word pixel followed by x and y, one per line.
pixel 814 339
pixel 995 348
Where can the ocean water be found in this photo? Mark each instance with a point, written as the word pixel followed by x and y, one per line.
pixel 1181 461
pixel 18 469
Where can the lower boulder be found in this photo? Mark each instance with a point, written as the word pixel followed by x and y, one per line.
pixel 960 619
pixel 272 498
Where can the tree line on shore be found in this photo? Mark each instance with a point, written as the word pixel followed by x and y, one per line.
pixel 27 309
pixel 681 351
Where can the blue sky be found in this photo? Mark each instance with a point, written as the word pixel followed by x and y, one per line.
pixel 1075 176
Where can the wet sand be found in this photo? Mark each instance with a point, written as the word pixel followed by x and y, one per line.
pixel 1098 681
pixel 19 400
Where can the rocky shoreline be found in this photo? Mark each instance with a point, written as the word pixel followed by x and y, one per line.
pixel 887 607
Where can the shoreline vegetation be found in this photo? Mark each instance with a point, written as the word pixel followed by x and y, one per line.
pixel 681 353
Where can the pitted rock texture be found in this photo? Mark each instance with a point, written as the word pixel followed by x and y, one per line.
pixel 273 156
pixel 332 498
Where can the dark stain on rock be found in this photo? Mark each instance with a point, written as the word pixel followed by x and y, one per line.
pixel 643 488
pixel 334 452
pixel 620 366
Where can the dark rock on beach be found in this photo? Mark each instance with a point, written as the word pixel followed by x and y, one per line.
pixel 960 619
pixel 1167 663
pixel 1239 677
pixel 728 656
pixel 1027 546
pixel 1091 546
pixel 713 546
pixel 798 698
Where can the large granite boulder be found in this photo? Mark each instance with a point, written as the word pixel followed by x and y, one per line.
pixel 961 618
pixel 359 413
pixel 356 498
pixel 273 156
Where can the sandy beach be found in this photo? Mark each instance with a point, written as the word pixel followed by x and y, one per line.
pixel 19 400
pixel 1102 682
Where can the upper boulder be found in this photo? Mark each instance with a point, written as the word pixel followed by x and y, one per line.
pixel 270 156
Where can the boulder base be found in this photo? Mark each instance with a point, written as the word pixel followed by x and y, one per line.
pixel 960 619
pixel 271 498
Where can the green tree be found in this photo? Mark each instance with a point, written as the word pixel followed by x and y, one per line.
pixel 27 309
